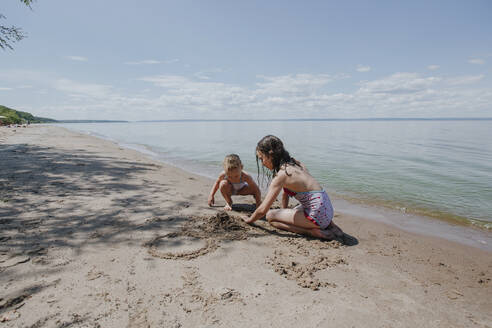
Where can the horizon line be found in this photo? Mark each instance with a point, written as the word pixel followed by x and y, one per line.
pixel 331 119
pixel 284 119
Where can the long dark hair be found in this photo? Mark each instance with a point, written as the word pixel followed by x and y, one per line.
pixel 274 148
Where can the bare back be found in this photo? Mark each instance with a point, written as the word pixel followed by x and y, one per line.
pixel 298 178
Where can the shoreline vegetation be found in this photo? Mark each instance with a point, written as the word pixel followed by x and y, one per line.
pixel 93 234
pixel 12 116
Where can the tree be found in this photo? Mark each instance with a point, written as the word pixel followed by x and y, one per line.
pixel 11 34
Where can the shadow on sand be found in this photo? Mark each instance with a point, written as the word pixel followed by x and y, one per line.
pixel 346 239
pixel 52 198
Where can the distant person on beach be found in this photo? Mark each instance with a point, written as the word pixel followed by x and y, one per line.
pixel 314 214
pixel 234 181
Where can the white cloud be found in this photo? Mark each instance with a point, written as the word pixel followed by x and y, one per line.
pixel 182 92
pixel 82 89
pixel 462 80
pixel 433 67
pixel 144 62
pixel 152 62
pixel 399 83
pixel 202 76
pixel 284 96
pixel 362 68
pixel 77 58
pixel 400 94
pixel 292 84
pixel 476 61
pixel 206 74
pixel 5 89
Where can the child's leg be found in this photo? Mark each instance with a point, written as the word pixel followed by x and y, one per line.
pixel 294 220
pixel 226 190
pixel 249 190
pixel 316 232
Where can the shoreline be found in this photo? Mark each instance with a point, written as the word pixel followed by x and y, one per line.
pixel 466 233
pixel 87 227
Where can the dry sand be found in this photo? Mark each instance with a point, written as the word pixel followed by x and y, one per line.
pixel 94 235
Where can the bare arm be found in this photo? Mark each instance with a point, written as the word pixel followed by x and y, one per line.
pixel 273 191
pixel 214 189
pixel 285 200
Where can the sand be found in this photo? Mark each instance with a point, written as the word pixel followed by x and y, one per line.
pixel 94 235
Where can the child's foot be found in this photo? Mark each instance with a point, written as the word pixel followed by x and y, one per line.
pixel 227 207
pixel 335 230
pixel 323 234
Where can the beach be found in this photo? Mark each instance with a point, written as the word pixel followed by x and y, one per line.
pixel 96 235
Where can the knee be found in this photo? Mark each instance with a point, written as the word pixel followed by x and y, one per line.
pixel 224 185
pixel 270 216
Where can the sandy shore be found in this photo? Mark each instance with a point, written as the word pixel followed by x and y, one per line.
pixel 94 235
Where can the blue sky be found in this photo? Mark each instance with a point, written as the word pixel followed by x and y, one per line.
pixel 153 59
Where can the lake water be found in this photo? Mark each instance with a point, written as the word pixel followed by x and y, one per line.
pixel 437 168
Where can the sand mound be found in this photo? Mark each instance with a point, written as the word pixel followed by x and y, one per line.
pixel 222 226
pixel 198 236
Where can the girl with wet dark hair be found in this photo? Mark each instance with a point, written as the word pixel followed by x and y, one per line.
pixel 314 214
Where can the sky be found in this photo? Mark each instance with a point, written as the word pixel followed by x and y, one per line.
pixel 223 59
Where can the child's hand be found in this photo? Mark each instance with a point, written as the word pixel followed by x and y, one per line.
pixel 211 200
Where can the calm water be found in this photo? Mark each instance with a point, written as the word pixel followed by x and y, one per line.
pixel 441 169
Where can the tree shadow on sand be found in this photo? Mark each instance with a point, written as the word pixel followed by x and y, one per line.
pixel 52 198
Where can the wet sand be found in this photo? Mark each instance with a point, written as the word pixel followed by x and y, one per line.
pixel 94 235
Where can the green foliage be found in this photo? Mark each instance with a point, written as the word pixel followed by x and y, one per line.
pixel 12 34
pixel 27 2
pixel 13 116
